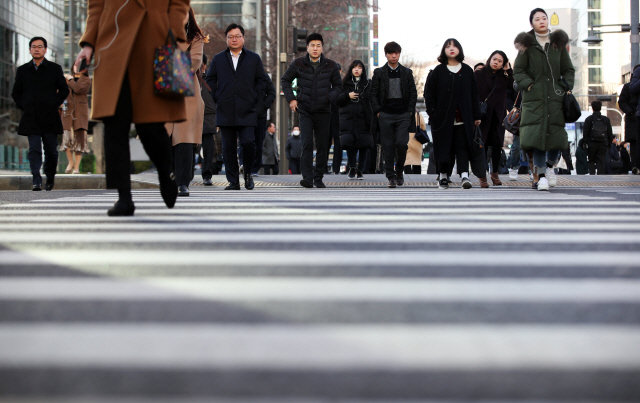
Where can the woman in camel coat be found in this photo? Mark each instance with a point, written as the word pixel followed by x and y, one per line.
pixel 124 35
pixel 185 135
pixel 76 117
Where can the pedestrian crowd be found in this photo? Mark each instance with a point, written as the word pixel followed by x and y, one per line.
pixel 373 118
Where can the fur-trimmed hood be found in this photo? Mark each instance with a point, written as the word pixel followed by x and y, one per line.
pixel 558 39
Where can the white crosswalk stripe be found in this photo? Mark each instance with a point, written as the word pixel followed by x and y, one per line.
pixel 353 295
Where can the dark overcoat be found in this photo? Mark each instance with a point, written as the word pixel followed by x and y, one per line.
pixel 445 93
pixel 628 103
pixel 542 122
pixel 380 91
pixel 236 92
pixel 266 98
pixel 634 86
pixel 355 115
pixel 497 101
pixel 316 88
pixel 38 94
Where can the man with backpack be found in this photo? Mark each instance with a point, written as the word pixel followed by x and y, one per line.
pixel 598 136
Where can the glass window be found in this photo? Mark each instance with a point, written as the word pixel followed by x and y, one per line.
pixel 594 4
pixel 595 75
pixel 595 56
pixel 594 18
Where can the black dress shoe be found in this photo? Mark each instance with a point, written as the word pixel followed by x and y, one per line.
pixel 49 185
pixel 305 183
pixel 121 209
pixel 207 182
pixel 168 190
pixel 319 184
pixel 248 182
pixel 400 180
pixel 392 183
pixel 233 186
pixel 183 190
pixel 37 187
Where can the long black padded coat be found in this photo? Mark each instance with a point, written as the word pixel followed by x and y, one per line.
pixel 38 94
pixel 445 93
pixel 316 88
pixel 355 115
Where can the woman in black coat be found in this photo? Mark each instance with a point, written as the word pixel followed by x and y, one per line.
pixel 494 82
pixel 451 96
pixel 355 117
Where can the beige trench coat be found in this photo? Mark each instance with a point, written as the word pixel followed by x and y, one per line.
pixel 142 26
pixel 76 116
pixel 190 131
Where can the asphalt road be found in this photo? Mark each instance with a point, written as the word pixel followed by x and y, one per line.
pixel 295 295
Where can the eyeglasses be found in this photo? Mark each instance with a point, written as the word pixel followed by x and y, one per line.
pixel 37 47
pixel 236 37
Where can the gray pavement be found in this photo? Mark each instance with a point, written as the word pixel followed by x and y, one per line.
pixel 362 294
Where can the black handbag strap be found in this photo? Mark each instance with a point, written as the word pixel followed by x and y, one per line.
pixel 566 85
pixel 171 36
pixel 487 98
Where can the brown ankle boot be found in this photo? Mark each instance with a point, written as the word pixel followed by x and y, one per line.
pixel 496 179
pixel 483 182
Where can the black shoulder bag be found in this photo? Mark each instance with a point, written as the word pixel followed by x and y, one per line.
pixel 570 107
pixel 483 104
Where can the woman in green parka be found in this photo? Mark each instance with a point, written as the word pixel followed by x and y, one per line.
pixel 542 60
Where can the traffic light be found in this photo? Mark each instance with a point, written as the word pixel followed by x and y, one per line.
pixel 299 40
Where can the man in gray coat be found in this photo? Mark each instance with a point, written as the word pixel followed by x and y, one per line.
pixel 270 156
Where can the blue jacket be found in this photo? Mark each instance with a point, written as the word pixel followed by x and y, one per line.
pixel 634 87
pixel 236 92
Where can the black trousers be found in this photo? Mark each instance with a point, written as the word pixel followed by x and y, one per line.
pixel 294 166
pixel 394 135
pixel 597 157
pixel 493 148
pixel 153 136
pixel 413 169
pixel 459 152
pixel 209 167
pixel 183 163
pixel 361 155
pixel 337 151
pixel 633 153
pixel 269 168
pixel 314 126
pixel 230 136
pixel 36 143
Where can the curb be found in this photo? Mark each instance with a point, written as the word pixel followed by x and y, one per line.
pixel 67 182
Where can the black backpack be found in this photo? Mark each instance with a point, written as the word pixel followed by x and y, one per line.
pixel 598 129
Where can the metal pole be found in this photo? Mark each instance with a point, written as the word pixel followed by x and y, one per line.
pixel 635 34
pixel 281 102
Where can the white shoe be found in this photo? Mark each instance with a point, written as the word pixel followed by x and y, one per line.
pixel 551 177
pixel 543 184
pixel 513 174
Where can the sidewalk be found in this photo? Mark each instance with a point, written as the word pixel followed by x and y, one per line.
pixel 10 180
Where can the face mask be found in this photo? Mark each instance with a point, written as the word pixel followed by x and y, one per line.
pixel 295 133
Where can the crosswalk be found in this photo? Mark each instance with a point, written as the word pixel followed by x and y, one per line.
pixel 350 295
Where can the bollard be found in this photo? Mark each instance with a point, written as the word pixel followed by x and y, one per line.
pixel 9 158
pixel 2 156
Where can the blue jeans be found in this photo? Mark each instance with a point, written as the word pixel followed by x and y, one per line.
pixel 542 158
pixel 515 153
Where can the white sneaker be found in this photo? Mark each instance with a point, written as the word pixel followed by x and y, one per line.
pixel 551 177
pixel 543 184
pixel 513 174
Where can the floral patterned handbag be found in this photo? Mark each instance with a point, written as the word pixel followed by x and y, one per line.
pixel 172 70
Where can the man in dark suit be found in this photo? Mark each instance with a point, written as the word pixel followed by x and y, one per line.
pixel 39 90
pixel 237 78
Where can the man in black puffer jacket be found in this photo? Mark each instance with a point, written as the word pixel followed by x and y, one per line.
pixel 319 84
